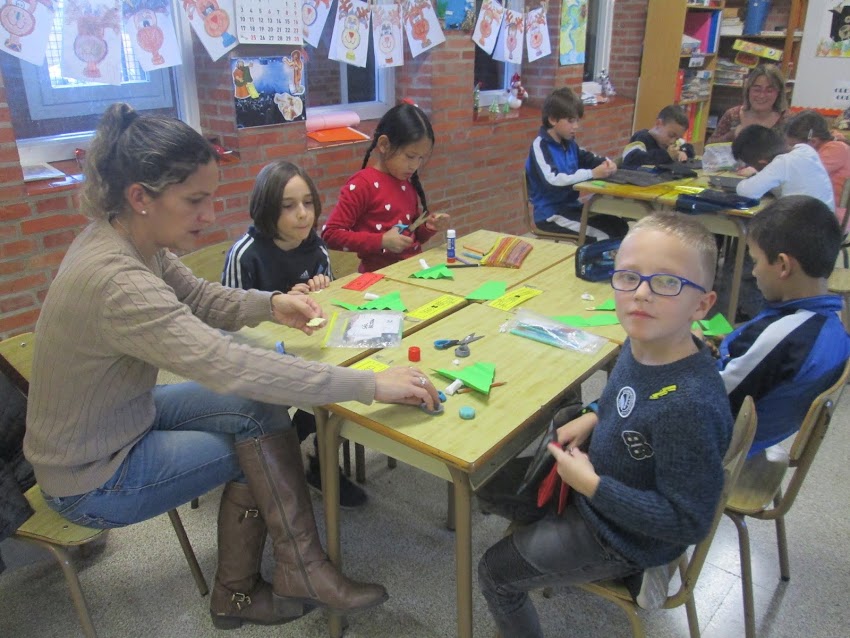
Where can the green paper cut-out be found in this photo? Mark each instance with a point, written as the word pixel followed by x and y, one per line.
pixel 342 304
pixel 440 271
pixel 478 376
pixel 717 326
pixel 390 301
pixel 603 320
pixel 573 321
pixel 608 304
pixel 489 291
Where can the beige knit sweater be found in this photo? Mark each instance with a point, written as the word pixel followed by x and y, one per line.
pixel 110 321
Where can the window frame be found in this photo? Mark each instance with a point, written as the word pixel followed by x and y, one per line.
pixel 61 147
pixel 486 98
pixel 373 110
pixel 604 37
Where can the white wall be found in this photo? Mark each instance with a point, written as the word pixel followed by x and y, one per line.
pixel 817 77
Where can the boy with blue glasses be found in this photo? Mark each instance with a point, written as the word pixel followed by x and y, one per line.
pixel 646 467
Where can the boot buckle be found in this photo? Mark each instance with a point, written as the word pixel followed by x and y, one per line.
pixel 240 600
pixel 252 513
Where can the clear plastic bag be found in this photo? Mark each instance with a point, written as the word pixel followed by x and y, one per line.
pixel 539 328
pixel 364 329
pixel 718 157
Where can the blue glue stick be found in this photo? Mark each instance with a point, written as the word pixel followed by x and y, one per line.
pixel 450 246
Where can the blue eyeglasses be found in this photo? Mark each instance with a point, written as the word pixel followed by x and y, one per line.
pixel 660 283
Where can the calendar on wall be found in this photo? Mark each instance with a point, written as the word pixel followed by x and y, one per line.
pixel 268 21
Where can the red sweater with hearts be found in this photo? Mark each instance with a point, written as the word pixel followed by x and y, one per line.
pixel 370 203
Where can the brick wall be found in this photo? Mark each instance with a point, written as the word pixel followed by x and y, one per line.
pixel 474 173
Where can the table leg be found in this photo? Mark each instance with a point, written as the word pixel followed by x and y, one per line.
pixel 327 431
pixel 463 551
pixel 585 214
pixel 450 510
pixel 738 272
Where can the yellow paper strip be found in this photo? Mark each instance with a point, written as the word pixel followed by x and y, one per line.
pixel 513 298
pixel 369 364
pixel 436 307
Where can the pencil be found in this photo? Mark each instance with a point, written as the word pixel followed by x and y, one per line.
pixel 463 265
pixel 475 250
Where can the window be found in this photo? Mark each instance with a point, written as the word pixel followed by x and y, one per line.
pixel 495 76
pixel 53 115
pixel 334 85
pixel 600 25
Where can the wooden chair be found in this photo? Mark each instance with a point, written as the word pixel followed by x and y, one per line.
pixel 690 567
pixel 760 484
pixel 47 529
pixel 844 202
pixel 207 262
pixel 529 218
pixel 839 284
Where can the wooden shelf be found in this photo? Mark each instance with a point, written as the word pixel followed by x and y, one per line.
pixel 697 55
pixel 770 35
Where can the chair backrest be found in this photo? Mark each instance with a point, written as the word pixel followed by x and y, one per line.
pixel 844 202
pixel 343 262
pixel 529 216
pixel 207 262
pixel 742 437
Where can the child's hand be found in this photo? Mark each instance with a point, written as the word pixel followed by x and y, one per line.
pixel 438 222
pixel 319 282
pixel 394 242
pixel 605 169
pixel 575 468
pixel 574 433
pixel 746 171
pixel 295 311
pixel 299 289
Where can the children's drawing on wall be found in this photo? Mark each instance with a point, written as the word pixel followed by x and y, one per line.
pixel 295 61
pixel 509 45
pixel 487 28
pixel 314 15
pixel 386 34
pixel 24 28
pixel 350 39
pixel 422 26
pixel 210 20
pixel 455 12
pixel 263 91
pixel 537 35
pixel 834 30
pixel 573 31
pixel 91 42
pixel 150 27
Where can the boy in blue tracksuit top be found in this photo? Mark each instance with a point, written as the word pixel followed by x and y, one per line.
pixel 796 347
pixel 555 162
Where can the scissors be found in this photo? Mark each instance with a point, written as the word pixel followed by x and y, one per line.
pixel 410 228
pixel 462 349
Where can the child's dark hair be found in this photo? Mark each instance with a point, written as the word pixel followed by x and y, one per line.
pixel 128 148
pixel 675 114
pixel 404 124
pixel 757 143
pixel 807 125
pixel 802 227
pixel 267 196
pixel 561 104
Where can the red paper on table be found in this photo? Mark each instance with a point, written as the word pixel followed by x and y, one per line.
pixel 342 134
pixel 363 281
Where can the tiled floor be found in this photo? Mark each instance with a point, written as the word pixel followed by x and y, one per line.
pixel 138 583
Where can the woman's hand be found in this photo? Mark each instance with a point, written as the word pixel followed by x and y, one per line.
pixel 394 242
pixel 295 310
pixel 575 468
pixel 405 385
pixel 574 433
pixel 438 222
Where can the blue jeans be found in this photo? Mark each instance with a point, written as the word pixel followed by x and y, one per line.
pixel 557 550
pixel 188 451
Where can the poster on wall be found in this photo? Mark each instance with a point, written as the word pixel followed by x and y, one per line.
pixel 149 25
pixel 91 42
pixel 387 36
pixel 509 44
pixel 269 90
pixel 487 27
pixel 268 21
pixel 211 21
pixel 25 27
pixel 422 26
pixel 573 32
pixel 456 12
pixel 537 35
pixel 834 31
pixel 314 15
pixel 350 39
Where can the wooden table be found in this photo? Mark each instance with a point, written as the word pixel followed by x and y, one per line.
pixel 635 202
pixel 562 292
pixel 542 256
pixel 467 453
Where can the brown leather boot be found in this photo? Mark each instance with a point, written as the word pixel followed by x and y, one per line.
pixel 275 472
pixel 239 593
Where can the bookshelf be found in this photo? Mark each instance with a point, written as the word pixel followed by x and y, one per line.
pixel 679 59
